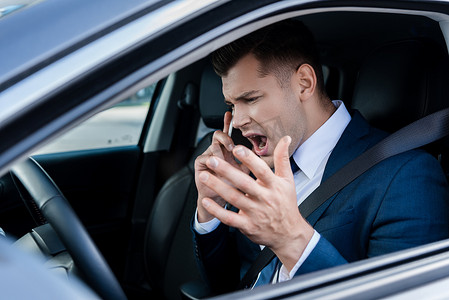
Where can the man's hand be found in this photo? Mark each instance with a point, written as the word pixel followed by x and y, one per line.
pixel 221 147
pixel 268 210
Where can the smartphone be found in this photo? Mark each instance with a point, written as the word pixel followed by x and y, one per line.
pixel 230 124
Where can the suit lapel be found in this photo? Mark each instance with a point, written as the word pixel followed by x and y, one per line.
pixel 352 143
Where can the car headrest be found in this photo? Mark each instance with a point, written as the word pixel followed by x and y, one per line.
pixel 401 82
pixel 211 100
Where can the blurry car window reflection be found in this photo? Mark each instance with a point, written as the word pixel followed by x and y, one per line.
pixel 120 125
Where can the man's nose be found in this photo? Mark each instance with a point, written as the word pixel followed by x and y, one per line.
pixel 240 118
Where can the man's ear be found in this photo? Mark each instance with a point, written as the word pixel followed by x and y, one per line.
pixel 306 81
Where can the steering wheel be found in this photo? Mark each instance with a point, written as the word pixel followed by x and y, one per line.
pixel 58 212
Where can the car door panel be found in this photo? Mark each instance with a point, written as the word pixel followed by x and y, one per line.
pixel 100 186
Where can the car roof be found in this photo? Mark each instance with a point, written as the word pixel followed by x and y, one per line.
pixel 42 32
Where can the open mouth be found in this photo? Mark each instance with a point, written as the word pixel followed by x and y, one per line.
pixel 260 144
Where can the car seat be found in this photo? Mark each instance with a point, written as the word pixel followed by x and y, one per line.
pixel 401 82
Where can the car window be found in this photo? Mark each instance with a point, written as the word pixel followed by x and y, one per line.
pixel 120 125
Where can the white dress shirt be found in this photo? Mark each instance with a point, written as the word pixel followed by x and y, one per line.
pixel 311 158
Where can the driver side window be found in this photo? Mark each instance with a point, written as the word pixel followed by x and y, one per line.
pixel 120 125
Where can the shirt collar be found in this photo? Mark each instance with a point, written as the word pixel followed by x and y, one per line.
pixel 318 146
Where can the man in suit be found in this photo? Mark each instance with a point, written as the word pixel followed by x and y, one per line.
pixel 273 81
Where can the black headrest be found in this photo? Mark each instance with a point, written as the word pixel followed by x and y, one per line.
pixel 401 82
pixel 212 106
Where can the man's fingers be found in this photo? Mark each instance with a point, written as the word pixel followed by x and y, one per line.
pixel 230 194
pixel 228 217
pixel 235 176
pixel 257 166
pixel 222 138
pixel 227 121
pixel 281 158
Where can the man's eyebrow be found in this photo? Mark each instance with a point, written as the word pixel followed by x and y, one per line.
pixel 247 95
pixel 243 96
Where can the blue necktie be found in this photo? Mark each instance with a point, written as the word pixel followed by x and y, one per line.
pixel 293 165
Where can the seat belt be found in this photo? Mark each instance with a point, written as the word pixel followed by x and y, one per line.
pixel 417 134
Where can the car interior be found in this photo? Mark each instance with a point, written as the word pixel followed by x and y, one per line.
pixel 137 202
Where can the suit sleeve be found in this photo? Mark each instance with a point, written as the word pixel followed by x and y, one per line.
pixel 411 210
pixel 217 258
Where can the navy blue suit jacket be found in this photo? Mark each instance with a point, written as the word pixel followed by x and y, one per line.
pixel 399 203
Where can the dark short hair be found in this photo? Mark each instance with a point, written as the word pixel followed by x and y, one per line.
pixel 280 48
